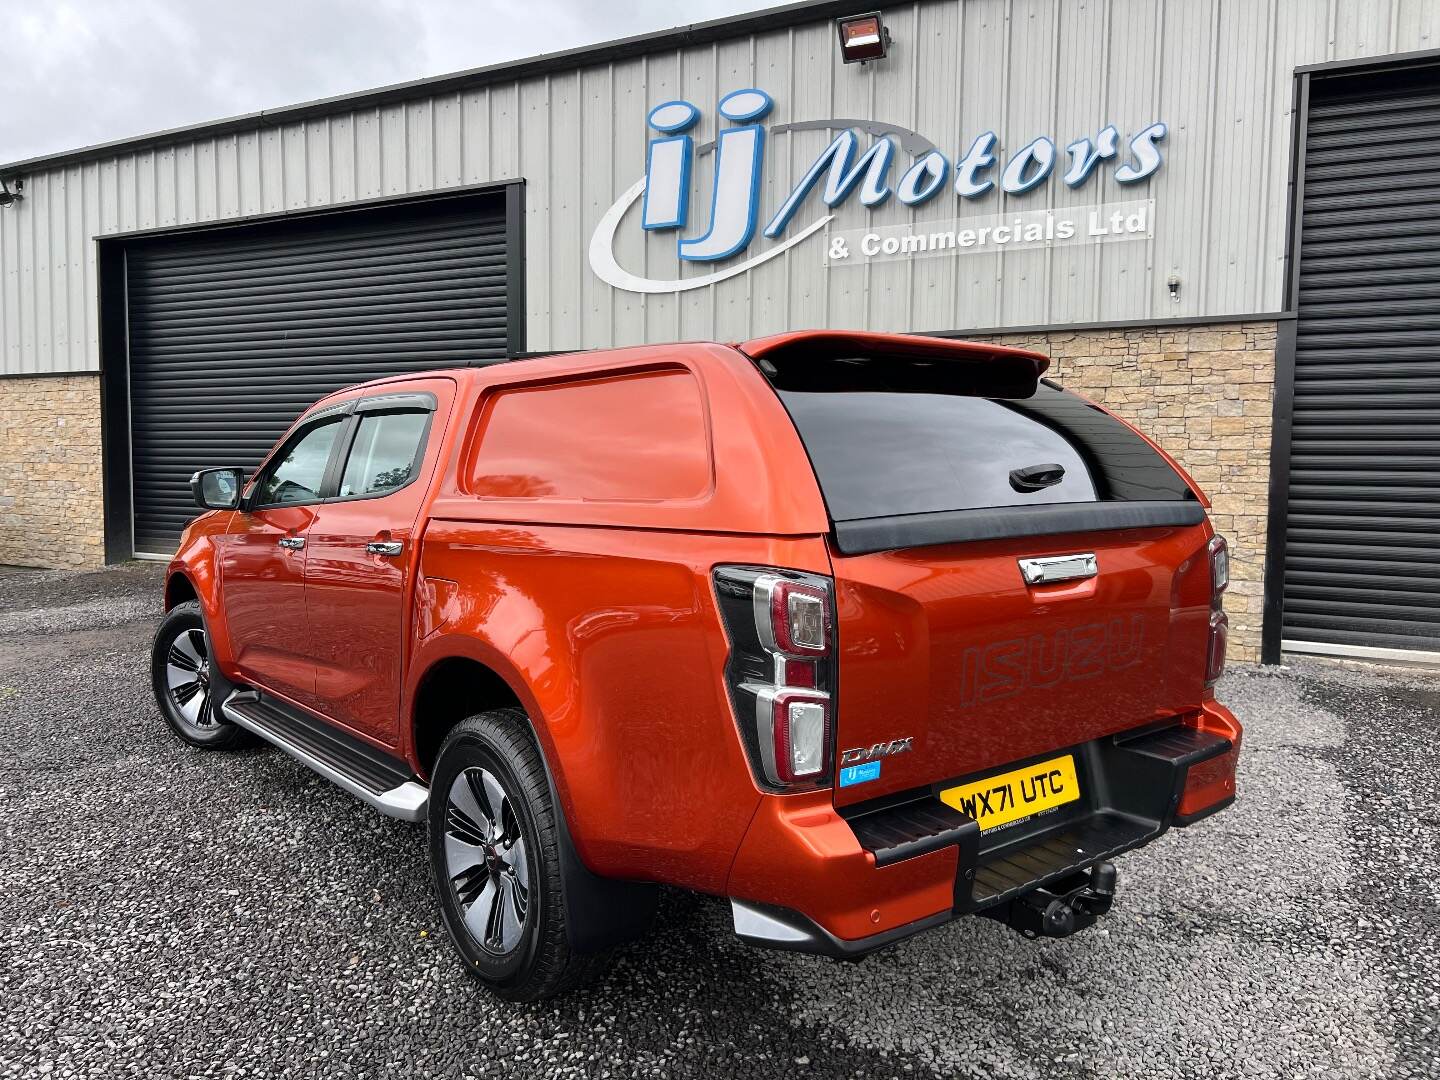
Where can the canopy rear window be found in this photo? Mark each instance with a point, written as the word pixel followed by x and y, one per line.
pixel 894 438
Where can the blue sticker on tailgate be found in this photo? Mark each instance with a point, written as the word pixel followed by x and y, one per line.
pixel 860 774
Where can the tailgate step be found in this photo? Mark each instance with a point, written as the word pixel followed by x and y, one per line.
pixel 1132 788
pixel 914 828
pixel 1139 784
pixel 1015 870
pixel 1180 746
pixel 367 773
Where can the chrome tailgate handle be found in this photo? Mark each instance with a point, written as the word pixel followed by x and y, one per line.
pixel 1051 568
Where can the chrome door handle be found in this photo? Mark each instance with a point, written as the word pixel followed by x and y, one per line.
pixel 1058 568
pixel 385 547
pixel 294 543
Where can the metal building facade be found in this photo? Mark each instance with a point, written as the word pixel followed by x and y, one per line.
pixel 1196 326
pixel 1361 548
pixel 232 333
pixel 1218 72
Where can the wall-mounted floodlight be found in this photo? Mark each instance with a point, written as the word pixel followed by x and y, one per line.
pixel 8 197
pixel 862 38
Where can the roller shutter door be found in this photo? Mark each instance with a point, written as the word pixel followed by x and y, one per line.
pixel 234 332
pixel 1362 549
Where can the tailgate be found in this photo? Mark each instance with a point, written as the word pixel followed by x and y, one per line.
pixel 943 467
pixel 950 648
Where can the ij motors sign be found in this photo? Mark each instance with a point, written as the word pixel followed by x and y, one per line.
pixel 720 232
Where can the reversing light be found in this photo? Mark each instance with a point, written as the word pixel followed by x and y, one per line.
pixel 1219 639
pixel 801 725
pixel 862 38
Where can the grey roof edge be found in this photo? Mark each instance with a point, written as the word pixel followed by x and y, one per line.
pixel 775 18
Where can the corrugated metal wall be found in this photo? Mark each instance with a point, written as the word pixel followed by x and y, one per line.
pixel 1362 544
pixel 233 334
pixel 1217 71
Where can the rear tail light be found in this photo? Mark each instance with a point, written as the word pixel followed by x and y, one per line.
pixel 1219 622
pixel 780 674
pixel 1219 568
pixel 1219 638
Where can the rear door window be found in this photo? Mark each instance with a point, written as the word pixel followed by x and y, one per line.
pixel 386 452
pixel 892 437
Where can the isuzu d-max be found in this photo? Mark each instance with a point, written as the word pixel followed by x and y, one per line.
pixel 863 632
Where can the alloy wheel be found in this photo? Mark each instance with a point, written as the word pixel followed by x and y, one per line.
pixel 486 860
pixel 187 674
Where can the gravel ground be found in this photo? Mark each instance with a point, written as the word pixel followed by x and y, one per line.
pixel 169 913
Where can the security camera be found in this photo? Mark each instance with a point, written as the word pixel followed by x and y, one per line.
pixel 8 197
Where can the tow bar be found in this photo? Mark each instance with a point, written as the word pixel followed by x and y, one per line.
pixel 1068 905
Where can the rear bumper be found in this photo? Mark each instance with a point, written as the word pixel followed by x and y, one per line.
pixel 780 928
pixel 808 879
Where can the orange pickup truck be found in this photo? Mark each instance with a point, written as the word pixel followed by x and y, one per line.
pixel 862 632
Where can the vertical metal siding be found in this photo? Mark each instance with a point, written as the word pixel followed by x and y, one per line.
pixel 1362 549
pixel 1218 71
pixel 233 333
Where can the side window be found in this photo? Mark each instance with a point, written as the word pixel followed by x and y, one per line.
pixel 386 452
pixel 298 471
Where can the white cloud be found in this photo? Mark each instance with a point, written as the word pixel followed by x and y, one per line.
pixel 77 72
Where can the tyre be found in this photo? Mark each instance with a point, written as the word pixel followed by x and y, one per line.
pixel 181 675
pixel 495 853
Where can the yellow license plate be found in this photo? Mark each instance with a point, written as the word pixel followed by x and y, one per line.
pixel 1018 794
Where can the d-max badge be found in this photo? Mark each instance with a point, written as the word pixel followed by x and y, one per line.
pixel 874 753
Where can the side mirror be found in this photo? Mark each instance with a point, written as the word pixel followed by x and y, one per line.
pixel 217 489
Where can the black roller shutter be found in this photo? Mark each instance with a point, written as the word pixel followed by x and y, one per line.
pixel 234 332
pixel 1362 548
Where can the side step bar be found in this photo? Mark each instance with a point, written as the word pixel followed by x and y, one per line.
pixel 370 775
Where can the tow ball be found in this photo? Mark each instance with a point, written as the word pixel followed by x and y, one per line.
pixel 1063 907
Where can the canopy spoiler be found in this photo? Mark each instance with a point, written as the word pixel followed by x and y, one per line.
pixel 994 370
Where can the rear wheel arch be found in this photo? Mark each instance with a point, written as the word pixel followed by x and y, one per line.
pixel 452 688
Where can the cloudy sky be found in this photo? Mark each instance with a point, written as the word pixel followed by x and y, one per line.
pixel 76 72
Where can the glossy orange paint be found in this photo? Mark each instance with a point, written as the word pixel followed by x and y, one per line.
pixel 195 562
pixel 949 647
pixel 642 436
pixel 800 854
pixel 267 620
pixel 600 614
pixel 357 603
pixel 1213 781
pixel 762 482
pixel 615 639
